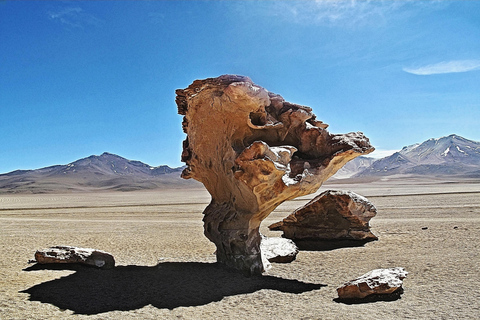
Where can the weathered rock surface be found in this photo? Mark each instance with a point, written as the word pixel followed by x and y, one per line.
pixel 332 215
pixel 378 281
pixel 279 250
pixel 67 254
pixel 253 150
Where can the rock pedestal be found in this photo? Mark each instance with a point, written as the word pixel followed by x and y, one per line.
pixel 253 150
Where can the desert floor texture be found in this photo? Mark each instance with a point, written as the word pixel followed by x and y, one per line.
pixel 166 270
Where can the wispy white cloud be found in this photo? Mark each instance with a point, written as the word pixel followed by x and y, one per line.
pixel 334 12
pixel 156 17
pixel 445 67
pixel 74 17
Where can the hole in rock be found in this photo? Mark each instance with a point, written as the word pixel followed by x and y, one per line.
pixel 258 118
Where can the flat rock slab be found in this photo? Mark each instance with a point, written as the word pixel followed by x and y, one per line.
pixel 376 282
pixel 67 254
pixel 279 250
pixel 332 215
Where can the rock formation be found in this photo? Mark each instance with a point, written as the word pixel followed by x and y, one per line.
pixel 253 150
pixel 378 282
pixel 332 215
pixel 66 254
pixel 279 250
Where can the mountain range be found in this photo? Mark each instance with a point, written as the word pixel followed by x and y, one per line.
pixel 105 172
pixel 451 156
pixel 446 156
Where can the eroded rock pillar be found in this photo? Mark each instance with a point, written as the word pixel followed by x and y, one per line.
pixel 238 244
pixel 252 150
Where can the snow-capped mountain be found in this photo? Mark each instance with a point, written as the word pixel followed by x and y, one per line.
pixel 451 155
pixel 446 156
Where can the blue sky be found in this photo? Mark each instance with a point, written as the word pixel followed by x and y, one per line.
pixel 82 77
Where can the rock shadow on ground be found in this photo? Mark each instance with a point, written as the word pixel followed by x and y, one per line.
pixel 394 296
pixel 329 245
pixel 167 285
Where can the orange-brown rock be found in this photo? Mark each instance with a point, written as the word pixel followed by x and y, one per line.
pixel 253 150
pixel 332 215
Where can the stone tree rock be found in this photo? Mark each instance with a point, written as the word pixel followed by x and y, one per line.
pixel 332 215
pixel 67 254
pixel 375 282
pixel 252 150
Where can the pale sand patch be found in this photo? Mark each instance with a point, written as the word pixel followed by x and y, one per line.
pixel 166 268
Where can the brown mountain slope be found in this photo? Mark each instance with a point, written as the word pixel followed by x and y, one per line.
pixel 95 173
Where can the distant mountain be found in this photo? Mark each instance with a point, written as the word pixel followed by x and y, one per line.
pixel 105 172
pixel 353 167
pixel 447 156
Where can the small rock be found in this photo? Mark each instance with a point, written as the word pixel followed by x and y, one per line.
pixel 378 281
pixel 424 228
pixel 67 254
pixel 278 250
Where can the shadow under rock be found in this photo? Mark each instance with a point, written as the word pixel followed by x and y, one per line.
pixel 166 285
pixel 329 245
pixel 394 296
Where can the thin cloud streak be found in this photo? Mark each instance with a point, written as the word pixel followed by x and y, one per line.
pixel 347 13
pixel 74 17
pixel 453 66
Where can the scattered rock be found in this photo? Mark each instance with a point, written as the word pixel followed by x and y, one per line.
pixel 279 250
pixel 332 215
pixel 67 254
pixel 253 150
pixel 375 282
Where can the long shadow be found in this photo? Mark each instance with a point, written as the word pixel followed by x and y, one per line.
pixel 166 285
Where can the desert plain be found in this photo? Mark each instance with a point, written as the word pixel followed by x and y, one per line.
pixel 165 266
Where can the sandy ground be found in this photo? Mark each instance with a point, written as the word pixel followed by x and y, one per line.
pixel 165 266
